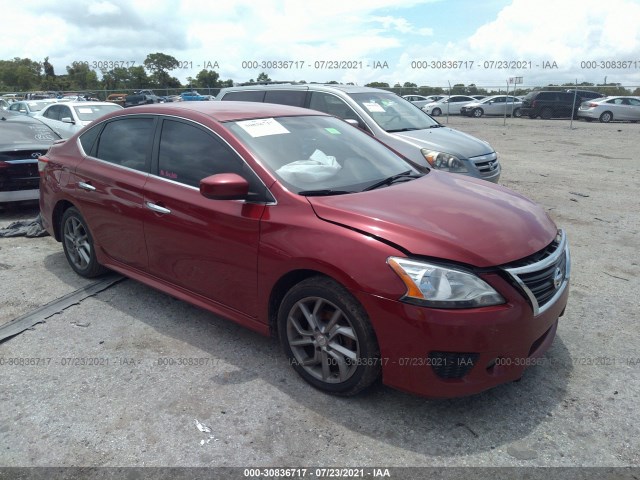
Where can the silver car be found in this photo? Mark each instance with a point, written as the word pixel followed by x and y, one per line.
pixel 66 118
pixel 388 117
pixel 448 105
pixel 30 107
pixel 421 101
pixel 494 105
pixel 608 109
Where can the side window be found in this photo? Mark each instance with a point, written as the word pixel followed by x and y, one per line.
pixel 65 112
pixel 633 101
pixel 126 142
pixel 294 98
pixel 188 154
pixel 88 139
pixel 245 96
pixel 52 112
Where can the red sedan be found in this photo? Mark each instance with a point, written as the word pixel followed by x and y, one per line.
pixel 295 223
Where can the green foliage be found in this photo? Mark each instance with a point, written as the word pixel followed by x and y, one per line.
pixel 263 77
pixel 377 85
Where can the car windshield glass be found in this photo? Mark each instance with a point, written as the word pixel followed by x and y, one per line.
pixel 393 113
pixel 37 106
pixel 314 155
pixel 91 112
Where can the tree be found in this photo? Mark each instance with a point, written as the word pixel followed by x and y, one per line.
pixel 409 85
pixel 48 68
pixel 20 74
pixel 160 64
pixel 377 85
pixel 81 77
pixel 207 79
pixel 263 77
pixel 138 78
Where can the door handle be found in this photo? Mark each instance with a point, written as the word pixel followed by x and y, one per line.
pixel 157 208
pixel 86 186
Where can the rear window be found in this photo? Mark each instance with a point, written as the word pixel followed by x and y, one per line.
pixel 245 96
pixel 294 98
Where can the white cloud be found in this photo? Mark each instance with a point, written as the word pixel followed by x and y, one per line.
pixel 101 8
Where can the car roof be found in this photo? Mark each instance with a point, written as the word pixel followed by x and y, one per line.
pixel 84 104
pixel 224 111
pixel 311 86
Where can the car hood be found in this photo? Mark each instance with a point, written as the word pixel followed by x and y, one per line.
pixel 445 216
pixel 447 140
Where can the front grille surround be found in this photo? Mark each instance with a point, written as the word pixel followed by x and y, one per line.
pixel 543 276
pixel 486 164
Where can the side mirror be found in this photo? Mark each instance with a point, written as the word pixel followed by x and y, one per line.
pixel 67 120
pixel 352 122
pixel 224 186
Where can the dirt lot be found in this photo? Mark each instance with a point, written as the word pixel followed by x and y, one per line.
pixel 132 409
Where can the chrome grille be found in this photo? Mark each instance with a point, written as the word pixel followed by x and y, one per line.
pixel 486 164
pixel 544 275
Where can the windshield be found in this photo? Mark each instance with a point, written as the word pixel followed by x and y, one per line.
pixel 37 106
pixel 92 112
pixel 393 113
pixel 316 153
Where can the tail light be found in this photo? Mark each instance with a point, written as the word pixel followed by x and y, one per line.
pixel 42 163
pixel 591 105
pixel 4 165
pixel 534 104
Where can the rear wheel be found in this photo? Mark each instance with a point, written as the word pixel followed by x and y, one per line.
pixel 516 113
pixel 606 117
pixel 328 338
pixel 78 245
pixel 477 112
pixel 546 113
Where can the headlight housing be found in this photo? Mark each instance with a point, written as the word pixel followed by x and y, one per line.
pixel 442 287
pixel 444 161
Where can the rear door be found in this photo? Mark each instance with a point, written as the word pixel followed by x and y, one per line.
pixel 109 185
pixel 209 247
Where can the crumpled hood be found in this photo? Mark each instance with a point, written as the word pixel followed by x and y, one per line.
pixel 447 216
pixel 448 140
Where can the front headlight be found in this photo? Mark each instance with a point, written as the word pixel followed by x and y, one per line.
pixel 442 287
pixel 444 161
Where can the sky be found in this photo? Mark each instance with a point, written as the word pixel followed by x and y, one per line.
pixel 543 41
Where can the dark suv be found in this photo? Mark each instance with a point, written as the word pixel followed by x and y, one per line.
pixel 550 104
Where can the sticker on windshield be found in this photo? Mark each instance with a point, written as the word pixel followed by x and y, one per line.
pixel 333 131
pixel 262 127
pixel 84 110
pixel 373 107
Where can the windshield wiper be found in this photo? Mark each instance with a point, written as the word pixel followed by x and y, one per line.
pixel 393 178
pixel 437 125
pixel 323 193
pixel 408 129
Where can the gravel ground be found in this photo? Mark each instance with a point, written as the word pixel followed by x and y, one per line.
pixel 580 408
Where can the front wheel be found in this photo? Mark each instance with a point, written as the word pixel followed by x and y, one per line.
pixel 477 112
pixel 326 334
pixel 436 112
pixel 78 245
pixel 516 113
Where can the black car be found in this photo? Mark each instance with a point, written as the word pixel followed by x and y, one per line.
pixel 22 140
pixel 553 104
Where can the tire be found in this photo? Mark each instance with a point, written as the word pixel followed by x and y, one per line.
pixel 546 113
pixel 516 113
pixel 477 112
pixel 606 117
pixel 78 245
pixel 436 112
pixel 326 334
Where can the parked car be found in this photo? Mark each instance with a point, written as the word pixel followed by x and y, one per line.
pixel 388 117
pixel 585 94
pixel 494 105
pixel 479 97
pixel 608 109
pixel 117 98
pixel 552 104
pixel 4 105
pixel 30 107
pixel 67 118
pixel 142 97
pixel 192 95
pixel 364 264
pixel 420 101
pixel 22 140
pixel 448 105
